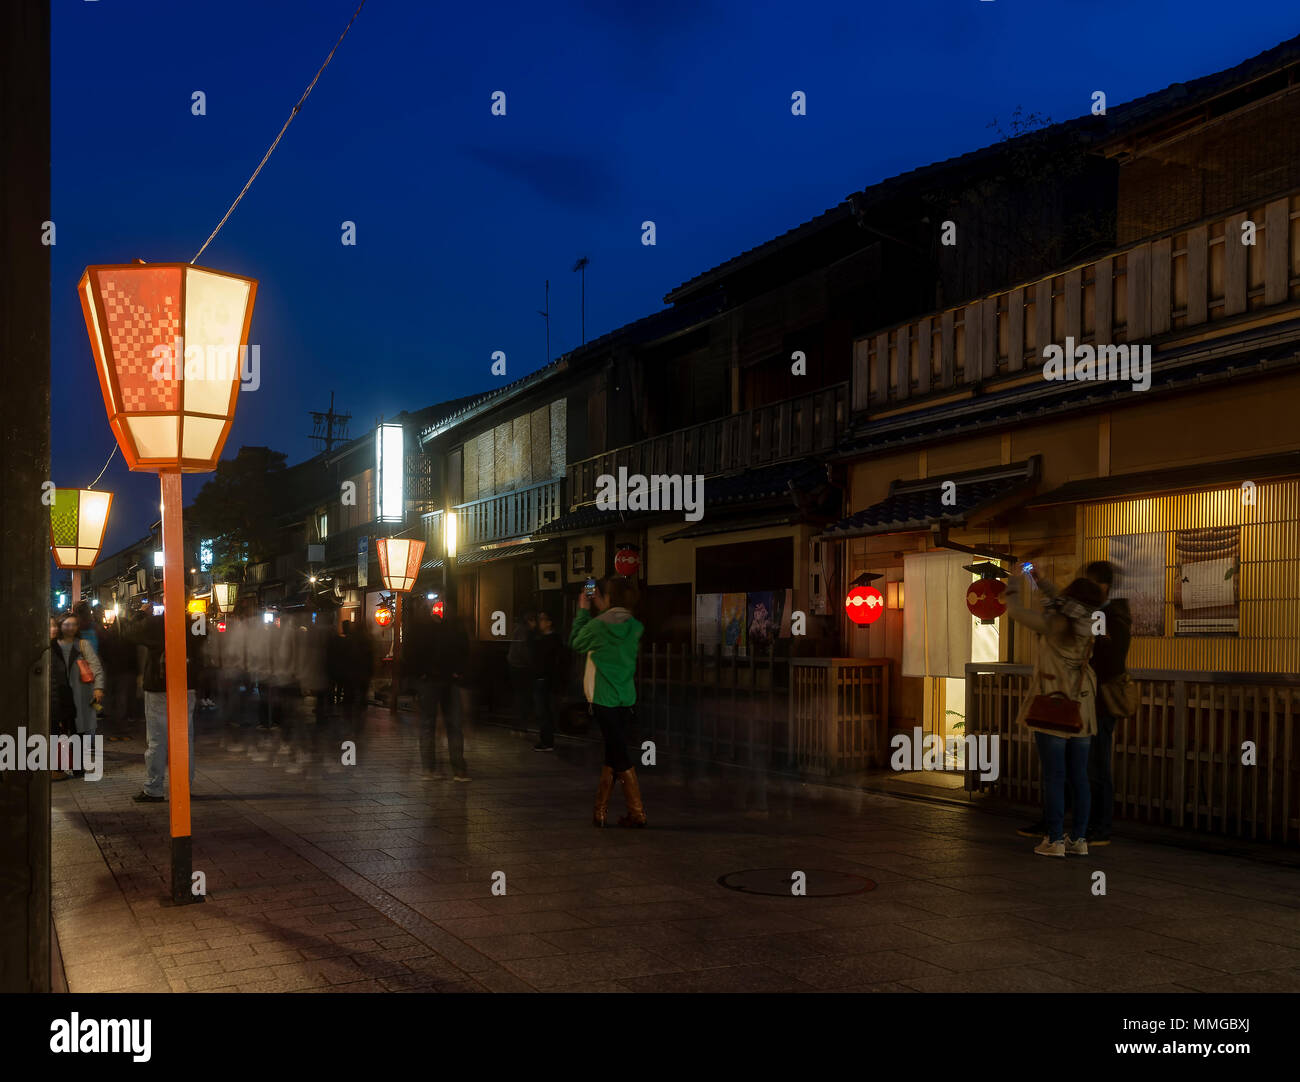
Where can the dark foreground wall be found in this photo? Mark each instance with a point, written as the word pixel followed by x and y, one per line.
pixel 24 466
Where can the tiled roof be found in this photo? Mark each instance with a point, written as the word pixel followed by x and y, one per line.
pixel 1257 469
pixel 1120 120
pixel 918 505
pixel 1255 353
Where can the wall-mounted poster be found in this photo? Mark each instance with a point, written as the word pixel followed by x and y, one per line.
pixel 733 624
pixel 762 619
pixel 1206 598
pixel 1139 561
pixel 708 622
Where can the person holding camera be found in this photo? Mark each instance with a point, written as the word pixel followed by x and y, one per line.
pixel 610 640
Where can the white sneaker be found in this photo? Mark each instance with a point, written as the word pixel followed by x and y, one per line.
pixel 1076 846
pixel 1047 848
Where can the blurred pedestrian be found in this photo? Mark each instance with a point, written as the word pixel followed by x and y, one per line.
pixel 610 641
pixel 435 654
pixel 548 668
pixel 522 666
pixel 149 630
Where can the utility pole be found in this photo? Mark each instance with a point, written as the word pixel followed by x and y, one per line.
pixel 581 266
pixel 330 427
pixel 547 315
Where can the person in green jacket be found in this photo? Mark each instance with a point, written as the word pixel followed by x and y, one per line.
pixel 610 642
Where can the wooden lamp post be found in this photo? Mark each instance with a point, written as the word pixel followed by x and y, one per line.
pixel 77 522
pixel 399 564
pixel 168 339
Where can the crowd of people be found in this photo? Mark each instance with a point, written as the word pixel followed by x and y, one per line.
pixel 295 689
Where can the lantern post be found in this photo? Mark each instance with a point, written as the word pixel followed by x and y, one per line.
pixel 169 341
pixel 399 564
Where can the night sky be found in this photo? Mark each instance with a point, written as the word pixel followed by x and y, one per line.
pixel 676 112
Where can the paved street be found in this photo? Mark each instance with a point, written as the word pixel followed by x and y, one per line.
pixel 373 878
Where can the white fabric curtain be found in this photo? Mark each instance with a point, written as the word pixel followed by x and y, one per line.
pixel 936 622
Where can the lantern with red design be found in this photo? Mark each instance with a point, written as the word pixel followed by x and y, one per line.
pixel 984 598
pixel 627 561
pixel 864 603
pixel 383 615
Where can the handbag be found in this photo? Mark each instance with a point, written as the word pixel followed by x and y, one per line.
pixel 83 667
pixel 1057 712
pixel 1121 696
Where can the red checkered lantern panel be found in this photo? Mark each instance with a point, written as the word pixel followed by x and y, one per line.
pixel 77 521
pixel 169 341
pixel 399 562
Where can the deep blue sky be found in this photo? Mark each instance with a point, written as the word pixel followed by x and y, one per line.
pixel 676 111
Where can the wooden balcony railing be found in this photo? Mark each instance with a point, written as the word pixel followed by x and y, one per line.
pixel 1201 274
pixel 799 426
pixel 1179 761
pixel 517 513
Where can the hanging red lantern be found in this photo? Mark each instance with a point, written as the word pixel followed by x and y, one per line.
pixel 439 609
pixel 864 603
pixel 627 561
pixel 984 598
pixel 383 615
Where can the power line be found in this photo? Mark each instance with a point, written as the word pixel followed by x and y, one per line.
pixel 292 114
pixel 101 472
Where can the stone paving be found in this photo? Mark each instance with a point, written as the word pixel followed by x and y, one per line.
pixel 375 878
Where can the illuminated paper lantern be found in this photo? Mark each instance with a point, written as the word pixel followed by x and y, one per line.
pixel 864 603
pixel 984 598
pixel 224 595
pixel 78 519
pixel 399 561
pixel 168 340
pixel 383 615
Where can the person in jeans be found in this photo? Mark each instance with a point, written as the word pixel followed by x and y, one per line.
pixel 548 664
pixel 149 631
pixel 1109 659
pixel 1065 643
pixel 73 701
pixel 610 641
pixel 435 654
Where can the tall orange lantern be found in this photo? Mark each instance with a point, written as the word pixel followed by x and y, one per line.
pixel 399 564
pixel 78 519
pixel 169 341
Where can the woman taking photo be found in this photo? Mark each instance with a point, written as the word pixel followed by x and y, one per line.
pixel 610 642
pixel 1060 706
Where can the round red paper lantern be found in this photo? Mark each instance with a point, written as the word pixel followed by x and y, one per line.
pixel 439 609
pixel 984 599
pixel 383 616
pixel 627 562
pixel 864 604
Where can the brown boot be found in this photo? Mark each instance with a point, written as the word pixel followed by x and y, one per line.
pixel 635 816
pixel 603 791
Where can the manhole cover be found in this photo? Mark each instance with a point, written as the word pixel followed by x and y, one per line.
pixel 779 881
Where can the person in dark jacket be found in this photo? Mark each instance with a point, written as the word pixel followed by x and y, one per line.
pixel 435 654
pixel 148 631
pixel 548 679
pixel 521 660
pixel 1109 659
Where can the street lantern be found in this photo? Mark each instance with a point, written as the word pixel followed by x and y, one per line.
pixel 399 561
pixel 77 522
pixel 224 594
pixel 168 340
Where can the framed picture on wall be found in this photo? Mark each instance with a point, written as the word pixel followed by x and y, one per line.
pixel 548 576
